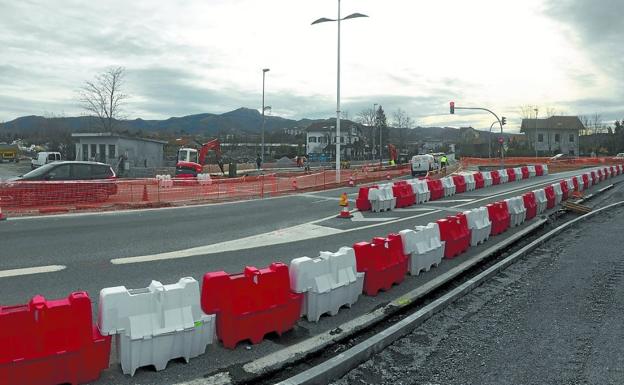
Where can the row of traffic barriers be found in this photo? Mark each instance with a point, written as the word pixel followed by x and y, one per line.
pixel 56 341
pixel 385 197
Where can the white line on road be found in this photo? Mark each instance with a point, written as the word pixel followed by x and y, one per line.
pixel 31 270
pixel 287 235
pixel 359 217
pixel 452 201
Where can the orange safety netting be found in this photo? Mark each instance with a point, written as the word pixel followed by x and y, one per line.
pixel 62 196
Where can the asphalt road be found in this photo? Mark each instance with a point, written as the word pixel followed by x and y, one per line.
pixel 552 318
pixel 130 248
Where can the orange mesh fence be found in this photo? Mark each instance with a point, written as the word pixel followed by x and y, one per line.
pixel 24 198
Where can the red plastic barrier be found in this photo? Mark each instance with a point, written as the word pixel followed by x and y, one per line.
pixel 362 203
pixel 511 175
pixel 585 181
pixel 576 185
pixel 601 175
pixel 594 178
pixel 436 189
pixel 564 190
pixel 404 194
pixel 455 233
pixel 605 171
pixel 613 172
pixel 495 177
pixel 539 170
pixel 383 262
pixel 499 216
pixel 460 183
pixel 479 181
pixel 525 172
pixel 550 196
pixel 251 304
pixel 530 204
pixel 51 342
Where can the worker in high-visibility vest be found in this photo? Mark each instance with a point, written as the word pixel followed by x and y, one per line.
pixel 443 163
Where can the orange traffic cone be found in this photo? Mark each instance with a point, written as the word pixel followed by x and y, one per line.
pixel 351 181
pixel 145 197
pixel 344 203
pixel 294 184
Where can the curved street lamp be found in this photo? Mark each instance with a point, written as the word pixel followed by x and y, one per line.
pixel 338 19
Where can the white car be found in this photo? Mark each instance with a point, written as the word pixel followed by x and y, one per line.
pixel 422 164
pixel 44 158
pixel 620 155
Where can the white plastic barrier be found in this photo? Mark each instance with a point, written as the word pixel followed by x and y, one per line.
pixel 540 199
pixel 487 178
pixel 328 282
pixel 504 178
pixel 518 172
pixel 558 193
pixel 164 181
pixel 608 172
pixel 421 189
pixel 589 179
pixel 156 324
pixel 388 199
pixel 204 179
pixel 545 168
pixel 470 180
pixel 532 171
pixel 449 186
pixel 621 168
pixel 517 211
pixel 374 197
pixel 579 180
pixel 480 225
pixel 570 186
pixel 424 247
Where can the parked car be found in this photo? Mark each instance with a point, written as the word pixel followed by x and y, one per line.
pixel 421 164
pixel 44 158
pixel 59 183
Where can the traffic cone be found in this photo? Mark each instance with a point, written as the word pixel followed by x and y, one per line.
pixel 145 197
pixel 351 181
pixel 344 203
pixel 294 184
pixel 388 176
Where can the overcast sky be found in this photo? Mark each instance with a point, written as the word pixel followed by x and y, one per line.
pixel 194 56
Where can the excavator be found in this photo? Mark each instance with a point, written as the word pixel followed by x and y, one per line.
pixel 190 161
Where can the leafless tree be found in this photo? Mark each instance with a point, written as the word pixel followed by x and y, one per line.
pixel 585 121
pixel 527 111
pixel 104 97
pixel 551 111
pixel 366 118
pixel 596 123
pixel 401 119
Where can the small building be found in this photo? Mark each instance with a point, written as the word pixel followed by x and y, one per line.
pixel 554 135
pixel 321 137
pixel 108 147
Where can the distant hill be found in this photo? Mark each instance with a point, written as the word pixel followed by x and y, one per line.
pixel 241 120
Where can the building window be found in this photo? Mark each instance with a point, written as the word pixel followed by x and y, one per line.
pixel 540 138
pixel 85 152
pixel 557 138
pixel 312 139
pixel 111 151
pixel 322 139
pixel 93 151
pixel 342 139
pixel 571 138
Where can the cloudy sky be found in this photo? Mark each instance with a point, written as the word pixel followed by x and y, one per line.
pixel 192 56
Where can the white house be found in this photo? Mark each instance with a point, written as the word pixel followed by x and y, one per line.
pixel 321 137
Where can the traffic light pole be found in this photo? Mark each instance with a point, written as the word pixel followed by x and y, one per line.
pixel 454 107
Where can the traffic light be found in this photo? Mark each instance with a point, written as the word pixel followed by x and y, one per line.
pixel 503 120
pixel 452 107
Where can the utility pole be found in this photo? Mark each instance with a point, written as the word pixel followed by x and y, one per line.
pixel 535 109
pixel 264 71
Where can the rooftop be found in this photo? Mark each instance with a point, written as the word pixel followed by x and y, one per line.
pixel 112 135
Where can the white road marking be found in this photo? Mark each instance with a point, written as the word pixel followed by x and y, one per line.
pixel 359 217
pixel 287 235
pixel 31 270
pixel 407 210
pixel 451 201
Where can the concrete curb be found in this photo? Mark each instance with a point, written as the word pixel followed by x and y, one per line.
pixel 341 364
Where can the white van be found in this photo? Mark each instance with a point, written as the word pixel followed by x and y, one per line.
pixel 422 164
pixel 44 158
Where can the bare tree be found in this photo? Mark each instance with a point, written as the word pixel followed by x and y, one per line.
pixel 366 118
pixel 596 123
pixel 527 111
pixel 550 112
pixel 585 121
pixel 103 97
pixel 401 119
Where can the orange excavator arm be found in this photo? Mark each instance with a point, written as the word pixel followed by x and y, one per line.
pixel 211 145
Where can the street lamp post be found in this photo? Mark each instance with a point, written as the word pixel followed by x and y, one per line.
pixel 373 130
pixel 264 71
pixel 490 140
pixel 535 131
pixel 339 19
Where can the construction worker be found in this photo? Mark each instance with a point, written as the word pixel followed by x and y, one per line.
pixel 443 163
